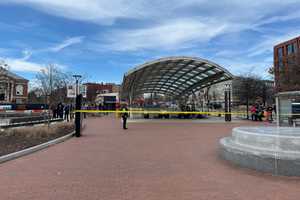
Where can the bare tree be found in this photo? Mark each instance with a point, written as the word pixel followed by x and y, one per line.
pixel 35 97
pixel 53 83
pixel 271 72
pixel 248 88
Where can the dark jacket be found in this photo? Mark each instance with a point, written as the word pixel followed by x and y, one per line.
pixel 125 114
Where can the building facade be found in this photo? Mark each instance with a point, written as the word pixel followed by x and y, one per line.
pixel 95 89
pixel 262 92
pixel 287 65
pixel 287 80
pixel 13 88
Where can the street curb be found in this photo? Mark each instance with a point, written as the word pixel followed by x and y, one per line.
pixel 33 149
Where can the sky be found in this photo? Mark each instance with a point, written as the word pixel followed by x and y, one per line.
pixel 103 39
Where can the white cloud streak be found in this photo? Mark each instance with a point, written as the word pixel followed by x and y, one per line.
pixel 96 11
pixel 24 65
pixel 167 36
pixel 66 43
pixel 107 11
pixel 270 41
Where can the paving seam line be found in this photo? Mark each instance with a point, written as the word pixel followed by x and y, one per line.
pixel 33 149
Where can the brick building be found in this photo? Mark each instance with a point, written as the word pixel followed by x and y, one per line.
pixel 94 89
pixel 287 65
pixel 13 88
pixel 287 81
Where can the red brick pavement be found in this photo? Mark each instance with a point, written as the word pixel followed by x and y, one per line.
pixel 149 161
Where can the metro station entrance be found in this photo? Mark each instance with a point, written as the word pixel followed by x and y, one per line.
pixel 174 84
pixel 170 88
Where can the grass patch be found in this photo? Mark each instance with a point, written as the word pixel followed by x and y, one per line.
pixel 16 139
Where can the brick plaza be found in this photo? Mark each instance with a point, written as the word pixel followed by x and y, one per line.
pixel 165 160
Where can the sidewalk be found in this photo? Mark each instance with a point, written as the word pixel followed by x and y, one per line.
pixel 149 161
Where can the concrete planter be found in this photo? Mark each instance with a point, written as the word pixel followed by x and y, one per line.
pixel 267 149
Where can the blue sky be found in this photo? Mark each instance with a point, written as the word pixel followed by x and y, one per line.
pixel 102 39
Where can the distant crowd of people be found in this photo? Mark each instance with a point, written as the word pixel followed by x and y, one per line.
pixel 63 111
pixel 260 112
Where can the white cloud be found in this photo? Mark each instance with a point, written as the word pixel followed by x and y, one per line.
pixel 181 23
pixel 66 43
pixel 270 41
pixel 97 11
pixel 177 34
pixel 107 11
pixel 22 65
pixel 26 54
pixel 177 24
pixel 242 66
pixel 280 18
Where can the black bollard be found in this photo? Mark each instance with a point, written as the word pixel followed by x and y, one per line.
pixel 226 105
pixel 227 96
pixel 229 106
pixel 77 116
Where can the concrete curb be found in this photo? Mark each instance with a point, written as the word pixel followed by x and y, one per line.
pixel 33 149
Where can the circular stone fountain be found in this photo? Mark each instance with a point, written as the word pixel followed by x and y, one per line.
pixel 267 149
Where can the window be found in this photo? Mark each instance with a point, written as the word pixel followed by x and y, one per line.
pixel 280 53
pixel 280 65
pixel 19 90
pixel 295 47
pixel 290 49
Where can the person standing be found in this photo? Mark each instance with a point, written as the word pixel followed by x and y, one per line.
pixel 270 113
pixel 60 110
pixel 260 113
pixel 71 112
pixel 253 113
pixel 124 116
pixel 54 111
pixel 67 112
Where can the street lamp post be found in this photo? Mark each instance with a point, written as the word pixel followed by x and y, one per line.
pixel 78 107
pixel 227 102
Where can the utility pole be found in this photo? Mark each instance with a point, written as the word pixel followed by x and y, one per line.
pixel 77 107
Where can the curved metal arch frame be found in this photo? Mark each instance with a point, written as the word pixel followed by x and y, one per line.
pixel 174 76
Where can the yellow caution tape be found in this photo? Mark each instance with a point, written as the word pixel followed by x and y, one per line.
pixel 159 112
pixel 171 112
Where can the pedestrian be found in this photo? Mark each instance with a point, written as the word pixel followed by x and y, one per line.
pixel 54 111
pixel 71 112
pixel 67 113
pixel 260 112
pixel 124 116
pixel 253 113
pixel 60 110
pixel 270 113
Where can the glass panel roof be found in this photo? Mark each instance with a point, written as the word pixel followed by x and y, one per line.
pixel 176 75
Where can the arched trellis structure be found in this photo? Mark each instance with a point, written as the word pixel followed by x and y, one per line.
pixel 172 76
